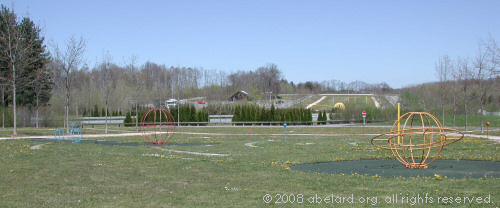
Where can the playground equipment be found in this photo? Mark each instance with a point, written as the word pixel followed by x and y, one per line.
pixel 420 140
pixel 59 135
pixel 76 133
pixel 157 126
pixel 339 105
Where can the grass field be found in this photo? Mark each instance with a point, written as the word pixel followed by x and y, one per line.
pixel 65 174
pixel 352 100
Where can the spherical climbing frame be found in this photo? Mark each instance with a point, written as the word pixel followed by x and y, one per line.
pixel 76 133
pixel 419 142
pixel 59 135
pixel 157 126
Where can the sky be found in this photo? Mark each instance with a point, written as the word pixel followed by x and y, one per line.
pixel 397 42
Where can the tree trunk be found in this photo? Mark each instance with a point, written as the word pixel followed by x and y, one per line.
pixel 37 103
pixel 67 118
pixel 76 107
pixel 454 109
pixel 68 96
pixel 14 99
pixel 3 106
pixel 106 113
pixel 465 108
pixel 136 119
pixel 442 106
pixel 482 116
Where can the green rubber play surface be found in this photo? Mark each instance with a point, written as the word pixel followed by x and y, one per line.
pixel 392 168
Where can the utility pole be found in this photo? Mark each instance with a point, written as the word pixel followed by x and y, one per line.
pixel 270 94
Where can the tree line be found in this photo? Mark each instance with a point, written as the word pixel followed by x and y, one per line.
pixel 466 86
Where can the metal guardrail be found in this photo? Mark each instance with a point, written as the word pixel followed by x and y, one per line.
pixel 111 120
pixel 248 123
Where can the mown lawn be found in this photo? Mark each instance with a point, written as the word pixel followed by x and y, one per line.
pixel 65 174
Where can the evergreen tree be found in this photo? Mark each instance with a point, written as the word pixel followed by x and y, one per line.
pixel 309 116
pixel 193 114
pixel 320 118
pixel 324 117
pixel 272 113
pixel 128 120
pixel 22 63
pixel 248 113
pixel 255 113
pixel 95 113
pixel 236 115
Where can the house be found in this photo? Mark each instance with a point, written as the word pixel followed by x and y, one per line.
pixel 240 95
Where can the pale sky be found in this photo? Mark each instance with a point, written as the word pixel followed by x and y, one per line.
pixel 397 42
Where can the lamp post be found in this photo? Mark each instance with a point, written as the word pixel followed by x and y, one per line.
pixel 270 93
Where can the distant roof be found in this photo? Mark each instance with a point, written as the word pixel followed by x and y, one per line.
pixel 240 95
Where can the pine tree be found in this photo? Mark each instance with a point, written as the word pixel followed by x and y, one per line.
pixel 272 113
pixel 236 115
pixel 324 117
pixel 320 118
pixel 193 114
pixel 128 120
pixel 309 116
pixel 22 60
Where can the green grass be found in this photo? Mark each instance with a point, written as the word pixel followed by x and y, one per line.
pixel 472 120
pixel 64 174
pixel 348 100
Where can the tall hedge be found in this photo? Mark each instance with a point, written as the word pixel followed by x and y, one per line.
pixel 249 113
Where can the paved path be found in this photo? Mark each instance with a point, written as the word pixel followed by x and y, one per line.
pixel 317 101
pixel 193 153
pixel 493 138
pixel 375 101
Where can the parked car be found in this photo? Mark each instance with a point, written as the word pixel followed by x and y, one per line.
pixel 202 102
pixel 280 102
pixel 171 102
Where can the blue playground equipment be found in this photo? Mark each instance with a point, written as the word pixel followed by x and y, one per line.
pixel 59 135
pixel 76 133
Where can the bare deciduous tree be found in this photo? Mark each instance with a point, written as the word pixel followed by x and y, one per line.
pixel 135 81
pixel 484 71
pixel 443 68
pixel 68 61
pixel 108 82
pixel 464 76
pixel 42 80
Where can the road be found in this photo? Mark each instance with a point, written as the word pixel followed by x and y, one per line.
pixel 393 99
